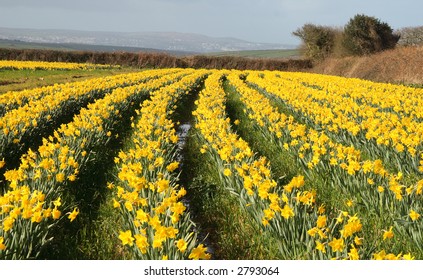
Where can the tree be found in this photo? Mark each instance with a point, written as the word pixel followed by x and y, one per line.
pixel 318 41
pixel 411 36
pixel 366 35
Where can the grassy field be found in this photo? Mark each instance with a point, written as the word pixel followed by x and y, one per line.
pixel 21 45
pixel 12 44
pixel 290 53
pixel 13 80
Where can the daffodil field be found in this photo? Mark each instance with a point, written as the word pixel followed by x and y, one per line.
pixel 352 152
pixel 35 65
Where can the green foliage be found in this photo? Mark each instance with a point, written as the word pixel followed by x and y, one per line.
pixel 361 36
pixel 318 41
pixel 366 35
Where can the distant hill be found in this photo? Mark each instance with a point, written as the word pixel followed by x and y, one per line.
pixel 17 44
pixel 285 53
pixel 168 41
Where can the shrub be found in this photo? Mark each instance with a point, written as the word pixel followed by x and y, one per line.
pixel 411 36
pixel 366 35
pixel 318 41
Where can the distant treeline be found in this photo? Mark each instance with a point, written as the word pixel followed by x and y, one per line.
pixel 156 60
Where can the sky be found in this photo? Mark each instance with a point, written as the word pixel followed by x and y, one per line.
pixel 265 21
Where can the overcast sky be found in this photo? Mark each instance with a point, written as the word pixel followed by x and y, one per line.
pixel 267 21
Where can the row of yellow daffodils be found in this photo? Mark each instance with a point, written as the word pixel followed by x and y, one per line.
pixel 40 189
pixel 247 177
pixel 19 127
pixel 44 65
pixel 315 150
pixel 156 224
pixel 15 99
pixel 313 233
pixel 386 118
pixel 321 149
pixel 240 172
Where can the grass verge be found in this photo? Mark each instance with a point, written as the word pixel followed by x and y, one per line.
pixel 14 80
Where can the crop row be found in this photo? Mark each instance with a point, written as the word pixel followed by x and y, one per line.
pixel 24 127
pixel 340 168
pixel 46 183
pixel 38 65
pixel 381 119
pixel 156 223
pixel 15 99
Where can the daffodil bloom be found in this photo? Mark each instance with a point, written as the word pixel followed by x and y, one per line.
pixel 173 166
pixel 178 208
pixel 392 257
pixel 56 213
pixel 116 203
pixel 142 216
pixel 321 209
pixel 353 225
pixel 141 242
pixel 287 212
pixel 8 223
pixel 388 234
pixel 320 246
pixel 73 214
pixel 358 241
pixel 162 185
pixel 414 215
pixel 47 213
pixel 227 172
pixel 380 255
pixel 408 257
pixel 349 203
pixel 321 221
pixel 182 245
pixel 313 231
pixel 126 238
pixel 337 245
pixel 37 217
pixel 158 242
pixel 159 161
pixel 2 246
pixel 72 177
pixel 199 253
pixel 57 202
pixel 353 253
pixel 128 206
